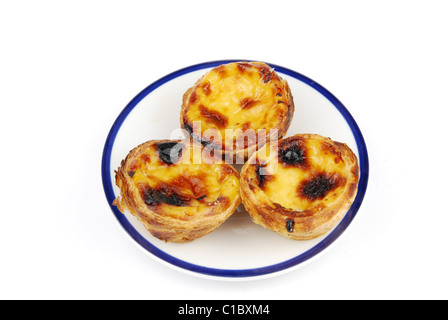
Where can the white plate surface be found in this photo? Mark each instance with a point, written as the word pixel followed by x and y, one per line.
pixel 238 249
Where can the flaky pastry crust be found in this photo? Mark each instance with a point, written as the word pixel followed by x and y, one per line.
pixel 303 190
pixel 175 190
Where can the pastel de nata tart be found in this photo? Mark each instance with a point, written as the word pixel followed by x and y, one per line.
pixel 302 187
pixel 248 99
pixel 175 190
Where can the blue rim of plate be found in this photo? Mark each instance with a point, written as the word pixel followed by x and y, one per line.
pixel 236 273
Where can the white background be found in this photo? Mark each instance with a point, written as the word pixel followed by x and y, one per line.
pixel 67 69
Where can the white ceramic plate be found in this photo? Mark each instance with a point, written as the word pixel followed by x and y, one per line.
pixel 238 249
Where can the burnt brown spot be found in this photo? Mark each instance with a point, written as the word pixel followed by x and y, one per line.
pixel 248 103
pixel 318 187
pixel 188 127
pixel 221 70
pixel 279 114
pixel 243 67
pixel 266 74
pixel 226 171
pixel 222 200
pixel 131 173
pixel 213 116
pixel 352 189
pixel 194 183
pixel 332 148
pixel 261 174
pixel 217 205
pixel 193 97
pixel 164 194
pixel 278 90
pixel 169 152
pixel 292 155
pixel 206 88
pixel 293 152
pixel 290 225
pixel 189 130
pixel 205 142
pixel 134 165
pixel 245 126
pixel 202 197
pixel 145 158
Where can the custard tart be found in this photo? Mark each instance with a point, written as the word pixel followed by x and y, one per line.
pixel 175 190
pixel 300 187
pixel 236 108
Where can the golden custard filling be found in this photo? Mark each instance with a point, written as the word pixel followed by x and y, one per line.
pixel 237 96
pixel 173 179
pixel 300 174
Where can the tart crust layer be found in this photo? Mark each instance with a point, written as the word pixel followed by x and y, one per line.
pixel 175 190
pixel 302 187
